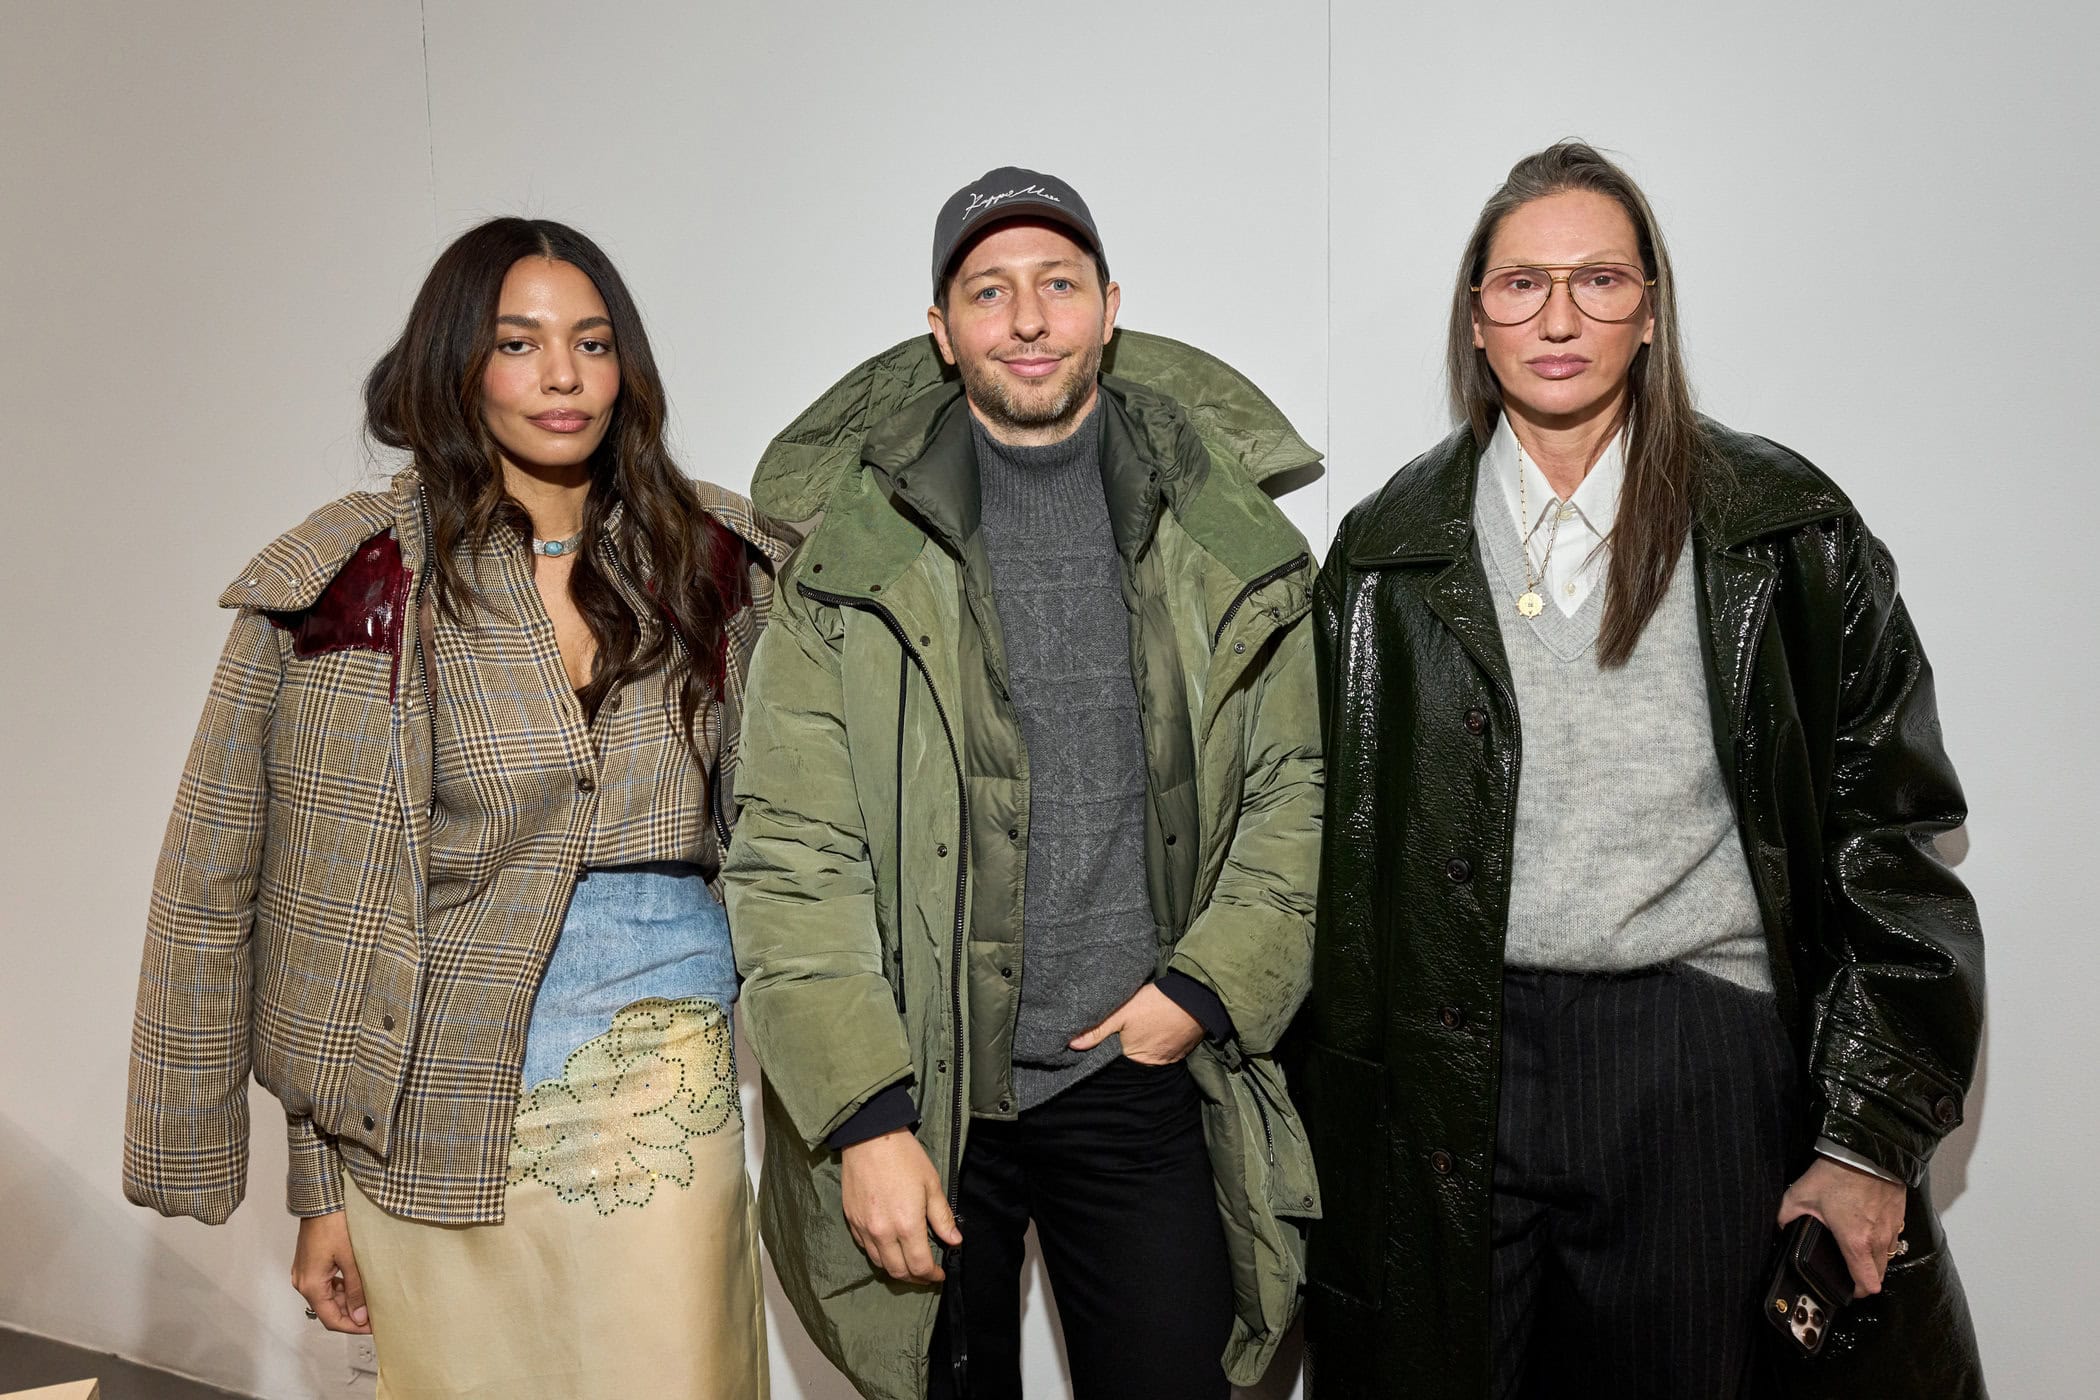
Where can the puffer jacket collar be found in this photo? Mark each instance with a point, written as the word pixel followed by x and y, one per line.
pixel 892 396
pixel 928 457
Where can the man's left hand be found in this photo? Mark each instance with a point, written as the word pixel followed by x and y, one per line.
pixel 1155 1031
pixel 1863 1212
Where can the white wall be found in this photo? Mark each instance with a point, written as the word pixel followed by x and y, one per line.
pixel 216 215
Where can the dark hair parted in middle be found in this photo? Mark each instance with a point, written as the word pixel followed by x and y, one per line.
pixel 424 397
pixel 1665 446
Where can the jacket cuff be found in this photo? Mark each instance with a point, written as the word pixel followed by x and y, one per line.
pixel 885 1113
pixel 313 1182
pixel 1199 1001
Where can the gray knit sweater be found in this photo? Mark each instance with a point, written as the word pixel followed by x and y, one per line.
pixel 1627 854
pixel 1086 921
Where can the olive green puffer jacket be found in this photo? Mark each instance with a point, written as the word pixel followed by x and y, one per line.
pixel 874 884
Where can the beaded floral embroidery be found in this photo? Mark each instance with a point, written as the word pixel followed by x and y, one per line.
pixel 615 1125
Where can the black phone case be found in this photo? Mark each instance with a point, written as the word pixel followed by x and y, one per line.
pixel 1810 1285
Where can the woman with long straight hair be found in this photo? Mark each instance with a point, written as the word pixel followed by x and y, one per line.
pixel 441 864
pixel 1634 946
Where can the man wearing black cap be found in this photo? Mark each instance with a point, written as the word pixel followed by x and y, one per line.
pixel 1030 818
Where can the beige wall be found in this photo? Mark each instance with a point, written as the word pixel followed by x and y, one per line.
pixel 216 213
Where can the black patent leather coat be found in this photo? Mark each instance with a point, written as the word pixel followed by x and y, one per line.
pixel 1824 720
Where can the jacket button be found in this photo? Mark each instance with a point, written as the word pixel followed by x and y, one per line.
pixel 874 588
pixel 1440 1162
pixel 1006 1105
pixel 940 1066
pixel 1013 833
pixel 1239 646
pixel 1476 721
pixel 816 568
pixel 1170 838
pixel 924 640
pixel 941 850
pixel 370 1122
pixel 612 702
pixel 1452 1018
pixel 386 1023
pixel 1459 869
pixel 1946 1111
pixel 1007 973
pixel 586 783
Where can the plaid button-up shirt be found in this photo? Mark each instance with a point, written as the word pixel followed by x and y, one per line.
pixel 296 929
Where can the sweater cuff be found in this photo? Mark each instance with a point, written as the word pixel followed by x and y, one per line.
pixel 1199 1001
pixel 885 1113
pixel 1838 1152
pixel 313 1182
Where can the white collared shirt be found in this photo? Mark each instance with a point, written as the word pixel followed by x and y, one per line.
pixel 1577 565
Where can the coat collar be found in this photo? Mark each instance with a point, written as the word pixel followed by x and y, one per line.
pixel 1425 512
pixel 927 460
pixel 296 568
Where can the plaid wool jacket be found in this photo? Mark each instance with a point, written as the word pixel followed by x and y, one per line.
pixel 289 924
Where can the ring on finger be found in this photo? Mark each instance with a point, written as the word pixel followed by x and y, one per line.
pixel 1900 1248
pixel 312 1316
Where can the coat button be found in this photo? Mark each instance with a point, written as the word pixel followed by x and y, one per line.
pixel 1441 1163
pixel 1476 721
pixel 612 702
pixel 941 850
pixel 1013 833
pixel 586 783
pixel 1170 838
pixel 1239 646
pixel 1451 1017
pixel 1006 1105
pixel 940 1066
pixel 370 1122
pixel 386 1023
pixel 1007 973
pixel 1946 1111
pixel 1459 869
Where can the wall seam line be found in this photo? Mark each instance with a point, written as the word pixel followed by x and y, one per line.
pixel 429 119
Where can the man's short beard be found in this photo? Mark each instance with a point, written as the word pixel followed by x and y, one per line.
pixel 991 395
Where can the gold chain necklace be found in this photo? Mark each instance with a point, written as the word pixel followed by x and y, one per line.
pixel 1529 603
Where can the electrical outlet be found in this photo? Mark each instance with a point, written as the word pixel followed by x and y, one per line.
pixel 364 1358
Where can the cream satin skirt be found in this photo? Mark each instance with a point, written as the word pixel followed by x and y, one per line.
pixel 626 1264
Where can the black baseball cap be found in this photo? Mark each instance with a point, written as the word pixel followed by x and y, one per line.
pixel 1009 193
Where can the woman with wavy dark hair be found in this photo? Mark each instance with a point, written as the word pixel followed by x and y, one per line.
pixel 1634 946
pixel 441 864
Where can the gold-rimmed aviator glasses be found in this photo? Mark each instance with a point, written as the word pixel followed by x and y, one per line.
pixel 1513 294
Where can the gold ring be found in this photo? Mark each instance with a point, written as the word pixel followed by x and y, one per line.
pixel 1902 1248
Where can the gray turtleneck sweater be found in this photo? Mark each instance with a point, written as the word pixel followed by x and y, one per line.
pixel 1089 940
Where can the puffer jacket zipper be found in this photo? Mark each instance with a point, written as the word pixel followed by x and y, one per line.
pixel 1282 570
pixel 962 873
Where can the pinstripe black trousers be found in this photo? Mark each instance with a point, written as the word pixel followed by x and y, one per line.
pixel 1645 1133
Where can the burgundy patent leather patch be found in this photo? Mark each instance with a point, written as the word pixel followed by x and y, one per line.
pixel 363 607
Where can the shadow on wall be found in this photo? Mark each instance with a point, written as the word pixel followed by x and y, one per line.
pixel 1950 1164
pixel 157 1307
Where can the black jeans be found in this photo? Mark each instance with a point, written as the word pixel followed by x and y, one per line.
pixel 1114 1174
pixel 1641 1148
